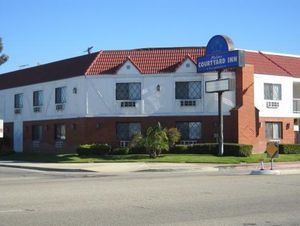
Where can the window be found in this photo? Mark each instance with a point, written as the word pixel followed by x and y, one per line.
pixel 189 130
pixel 37 131
pixel 274 130
pixel 60 132
pixel 60 95
pixel 272 91
pixel 188 90
pixel 125 131
pixel 19 100
pixel 37 98
pixel 128 91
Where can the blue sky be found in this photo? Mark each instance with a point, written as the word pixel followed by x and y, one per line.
pixel 41 31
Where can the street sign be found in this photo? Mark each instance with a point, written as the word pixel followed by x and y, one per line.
pixel 220 85
pixel 273 149
pixel 1 128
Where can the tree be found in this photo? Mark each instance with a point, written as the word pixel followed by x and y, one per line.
pixel 3 57
pixel 155 141
pixel 173 136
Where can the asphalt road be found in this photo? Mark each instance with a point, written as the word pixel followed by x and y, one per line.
pixel 39 198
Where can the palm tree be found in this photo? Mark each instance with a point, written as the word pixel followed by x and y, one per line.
pixel 3 57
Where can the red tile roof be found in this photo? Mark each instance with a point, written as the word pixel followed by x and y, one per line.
pixel 272 64
pixel 47 72
pixel 148 61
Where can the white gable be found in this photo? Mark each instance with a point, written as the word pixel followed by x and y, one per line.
pixel 188 66
pixel 128 68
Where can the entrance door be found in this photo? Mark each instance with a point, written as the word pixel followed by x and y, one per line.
pixel 18 136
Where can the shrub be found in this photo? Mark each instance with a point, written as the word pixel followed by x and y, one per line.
pixel 289 148
pixel 5 152
pixel 242 150
pixel 138 150
pixel 173 136
pixel 120 151
pixel 180 149
pixel 93 149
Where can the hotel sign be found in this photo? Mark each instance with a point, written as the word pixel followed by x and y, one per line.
pixel 219 55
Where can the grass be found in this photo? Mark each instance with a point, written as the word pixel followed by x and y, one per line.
pixel 172 158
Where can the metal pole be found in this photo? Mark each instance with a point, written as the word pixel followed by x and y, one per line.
pixel 271 163
pixel 220 113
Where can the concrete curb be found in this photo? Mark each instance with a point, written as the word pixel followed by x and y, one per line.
pixel 47 168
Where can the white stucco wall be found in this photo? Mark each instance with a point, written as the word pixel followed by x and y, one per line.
pixel 285 108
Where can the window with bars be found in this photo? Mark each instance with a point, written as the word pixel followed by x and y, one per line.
pixel 125 131
pixel 38 98
pixel 272 91
pixel 273 130
pixel 60 95
pixel 128 91
pixel 189 130
pixel 188 90
pixel 60 132
pixel 18 100
pixel 37 132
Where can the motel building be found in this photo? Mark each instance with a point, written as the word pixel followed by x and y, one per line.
pixel 107 96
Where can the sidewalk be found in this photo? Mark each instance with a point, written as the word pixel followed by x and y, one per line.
pixel 118 168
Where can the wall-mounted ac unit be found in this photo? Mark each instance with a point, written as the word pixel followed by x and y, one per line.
pixel 127 104
pixel 60 107
pixel 18 110
pixel 124 143
pixel 37 109
pixel 187 103
pixel 272 104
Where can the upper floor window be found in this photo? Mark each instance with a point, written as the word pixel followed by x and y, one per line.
pixel 37 131
pixel 60 95
pixel 273 130
pixel 125 131
pixel 189 130
pixel 19 100
pixel 128 91
pixel 188 90
pixel 272 91
pixel 60 132
pixel 38 98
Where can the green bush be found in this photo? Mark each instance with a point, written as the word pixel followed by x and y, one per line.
pixel 180 149
pixel 289 148
pixel 120 151
pixel 242 150
pixel 5 152
pixel 93 149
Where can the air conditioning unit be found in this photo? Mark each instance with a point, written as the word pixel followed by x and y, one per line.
pixel 59 144
pixel 18 110
pixel 127 104
pixel 187 103
pixel 187 142
pixel 124 143
pixel 272 104
pixel 36 109
pixel 60 107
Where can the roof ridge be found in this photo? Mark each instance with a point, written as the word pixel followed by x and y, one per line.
pixel 274 62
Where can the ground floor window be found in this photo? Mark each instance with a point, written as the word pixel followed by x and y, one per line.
pixel 37 132
pixel 274 130
pixel 125 131
pixel 189 130
pixel 60 132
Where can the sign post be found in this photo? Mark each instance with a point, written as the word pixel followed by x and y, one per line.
pixel 220 55
pixel 1 128
pixel 272 151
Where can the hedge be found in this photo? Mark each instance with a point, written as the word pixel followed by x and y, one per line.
pixel 242 150
pixel 289 148
pixel 120 151
pixel 93 149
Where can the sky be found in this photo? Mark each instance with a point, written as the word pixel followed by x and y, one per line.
pixel 41 31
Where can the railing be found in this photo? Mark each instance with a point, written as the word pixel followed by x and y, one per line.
pixel 296 105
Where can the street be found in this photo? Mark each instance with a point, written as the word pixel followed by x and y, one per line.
pixel 30 197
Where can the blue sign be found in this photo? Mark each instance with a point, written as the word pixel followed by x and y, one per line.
pixel 219 44
pixel 229 59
